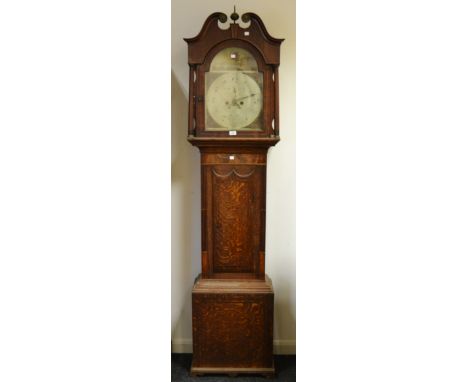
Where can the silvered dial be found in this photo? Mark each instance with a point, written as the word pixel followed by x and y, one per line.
pixel 234 100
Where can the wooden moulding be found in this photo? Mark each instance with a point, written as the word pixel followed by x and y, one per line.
pixel 232 158
pixel 232 371
pixel 228 142
pixel 203 285
pixel 211 34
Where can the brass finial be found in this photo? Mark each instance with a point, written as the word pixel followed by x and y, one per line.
pixel 234 15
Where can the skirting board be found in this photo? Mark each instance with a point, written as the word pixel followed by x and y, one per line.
pixel 279 346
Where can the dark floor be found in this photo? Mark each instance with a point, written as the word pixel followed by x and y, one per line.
pixel 285 366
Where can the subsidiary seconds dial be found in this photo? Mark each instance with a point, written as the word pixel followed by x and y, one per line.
pixel 234 100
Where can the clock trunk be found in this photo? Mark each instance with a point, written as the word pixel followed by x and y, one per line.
pixel 233 213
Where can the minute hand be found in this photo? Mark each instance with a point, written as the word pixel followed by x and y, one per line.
pixel 238 99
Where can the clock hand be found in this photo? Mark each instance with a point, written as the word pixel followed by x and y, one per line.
pixel 251 95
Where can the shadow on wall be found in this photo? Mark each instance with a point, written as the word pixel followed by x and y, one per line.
pixel 185 205
pixel 284 319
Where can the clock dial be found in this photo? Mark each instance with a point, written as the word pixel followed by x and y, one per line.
pixel 234 100
pixel 234 92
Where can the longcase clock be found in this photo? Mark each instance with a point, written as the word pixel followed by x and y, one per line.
pixel 233 120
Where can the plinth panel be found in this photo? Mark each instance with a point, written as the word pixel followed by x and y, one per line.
pixel 232 326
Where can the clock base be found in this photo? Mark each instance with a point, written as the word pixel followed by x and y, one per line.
pixel 233 371
pixel 232 323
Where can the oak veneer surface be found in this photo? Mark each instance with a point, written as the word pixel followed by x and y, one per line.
pixel 232 326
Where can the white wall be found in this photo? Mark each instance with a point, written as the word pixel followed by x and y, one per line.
pixel 279 19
